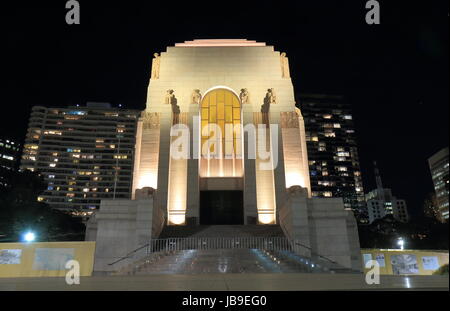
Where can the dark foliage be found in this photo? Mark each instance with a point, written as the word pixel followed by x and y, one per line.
pixel 21 212
pixel 419 233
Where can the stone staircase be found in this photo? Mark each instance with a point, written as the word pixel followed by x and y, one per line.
pixel 226 260
pixel 221 231
pixel 220 261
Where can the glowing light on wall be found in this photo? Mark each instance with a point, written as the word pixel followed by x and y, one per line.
pixel 266 219
pixel 294 179
pixel 147 180
pixel 177 190
pixel 177 220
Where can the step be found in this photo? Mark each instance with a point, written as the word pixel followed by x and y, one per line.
pixel 221 231
pixel 224 261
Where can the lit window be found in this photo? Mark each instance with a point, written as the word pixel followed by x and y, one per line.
pixel 8 157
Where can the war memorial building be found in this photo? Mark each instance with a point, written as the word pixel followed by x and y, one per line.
pixel 221 142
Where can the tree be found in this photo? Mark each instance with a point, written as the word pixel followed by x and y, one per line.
pixel 20 212
pixel 419 233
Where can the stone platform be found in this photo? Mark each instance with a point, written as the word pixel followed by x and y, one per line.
pixel 230 282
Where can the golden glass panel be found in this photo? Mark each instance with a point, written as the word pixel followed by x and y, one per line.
pixel 238 147
pixel 205 113
pixel 222 107
pixel 228 114
pixel 229 97
pixel 212 99
pixel 221 124
pixel 229 132
pixel 220 111
pixel 205 101
pixel 236 103
pixel 213 114
pixel 204 128
pixel 236 113
pixel 220 96
pixel 229 147
pixel 237 129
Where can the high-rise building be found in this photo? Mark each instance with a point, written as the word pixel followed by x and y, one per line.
pixel 9 156
pixel 332 151
pixel 439 167
pixel 85 154
pixel 381 202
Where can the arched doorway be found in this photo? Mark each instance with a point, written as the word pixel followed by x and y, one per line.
pixel 221 161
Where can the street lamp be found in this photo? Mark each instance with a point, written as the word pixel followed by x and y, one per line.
pixel 29 236
pixel 401 243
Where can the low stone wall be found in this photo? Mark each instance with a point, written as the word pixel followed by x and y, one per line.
pixel 122 226
pixel 44 259
pixel 322 224
pixel 406 262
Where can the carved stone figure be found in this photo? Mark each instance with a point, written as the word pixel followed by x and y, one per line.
pixel 170 97
pixel 145 193
pixel 272 99
pixel 284 61
pixel 196 97
pixel 155 66
pixel 244 96
pixel 297 190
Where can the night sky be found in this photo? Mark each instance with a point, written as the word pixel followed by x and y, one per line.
pixel 395 74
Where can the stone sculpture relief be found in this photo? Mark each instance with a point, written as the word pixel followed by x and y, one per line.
pixel 244 96
pixel 271 96
pixel 170 97
pixel 297 191
pixel 150 120
pixel 196 97
pixel 155 66
pixel 145 193
pixel 270 99
pixel 284 66
pixel 289 120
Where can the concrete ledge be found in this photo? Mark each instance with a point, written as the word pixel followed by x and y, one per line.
pixel 229 282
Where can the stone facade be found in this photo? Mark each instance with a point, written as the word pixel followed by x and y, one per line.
pixel 255 78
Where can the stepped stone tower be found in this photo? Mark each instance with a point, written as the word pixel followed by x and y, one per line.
pixel 222 143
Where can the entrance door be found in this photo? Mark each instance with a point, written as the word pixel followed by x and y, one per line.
pixel 221 208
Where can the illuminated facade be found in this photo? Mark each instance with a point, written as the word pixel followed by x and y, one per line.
pixel 244 161
pixel 85 154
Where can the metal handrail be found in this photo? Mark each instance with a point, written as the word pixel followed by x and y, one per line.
pixel 128 255
pixel 178 244
pixel 318 255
